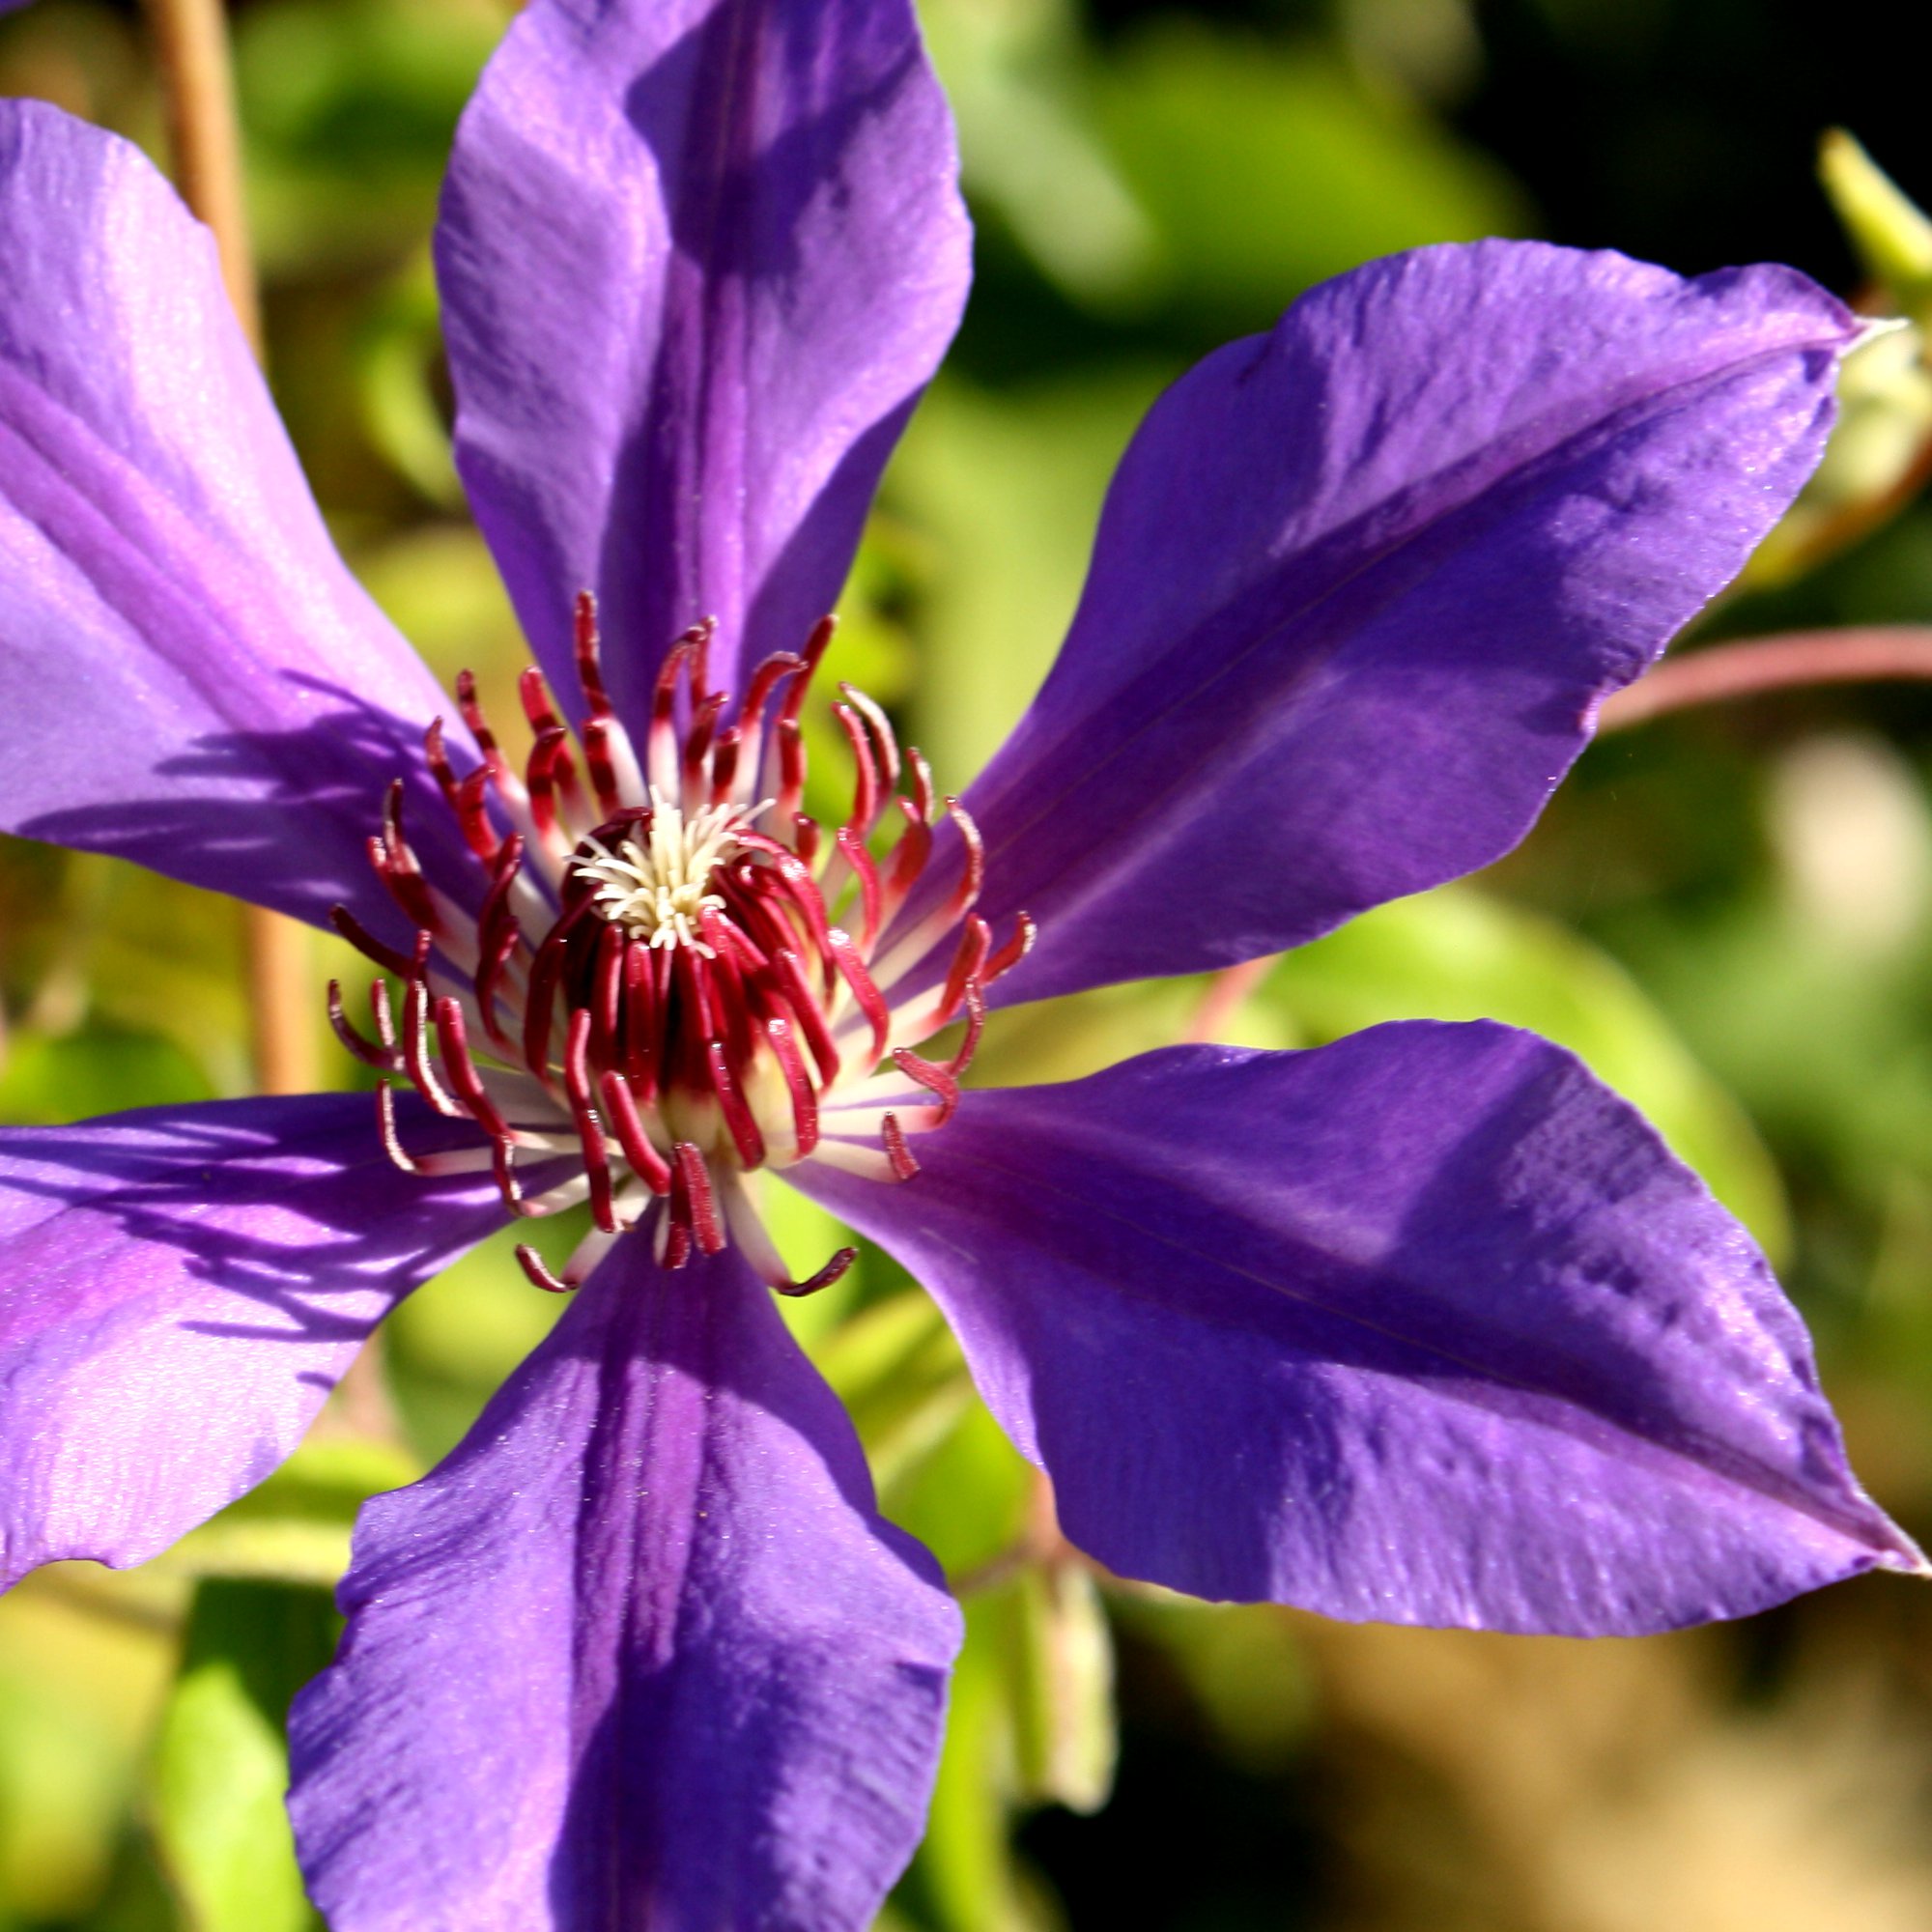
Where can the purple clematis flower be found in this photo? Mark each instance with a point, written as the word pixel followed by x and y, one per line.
pixel 1426 1325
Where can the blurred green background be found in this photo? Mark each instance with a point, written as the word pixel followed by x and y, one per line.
pixel 1729 914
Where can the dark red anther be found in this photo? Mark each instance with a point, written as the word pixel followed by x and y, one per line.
pixel 872 1003
pixel 904 1167
pixel 396 865
pixel 415 1051
pixel 798 1084
pixel 934 1078
pixel 367 943
pixel 551 771
pixel 809 658
pixel 368 1052
pixel 725 749
pixel 620 1109
pixel 908 858
pixel 378 1011
pixel 824 1278
pixel 647 988
pixel 607 994
pixel 453 1038
pixel 538 1269
pixel 699 637
pixel 697 742
pixel 805 837
pixel 437 754
pixel 386 1128
pixel 790 972
pixel 882 732
pixel 871 897
pixel 738 1121
pixel 597 760
pixel 493 956
pixel 467 703
pixel 865 794
pixel 539 1005
pixel 405 885
pixel 503 1167
pixel 790 740
pixel 472 815
pixel 534 695
pixel 590 661
pixel 968 961
pixel 701 1206
pixel 589 1128
pixel 973 873
pixel 941 1077
pixel 922 783
pixel 664 693
pixel 764 681
pixel 1013 950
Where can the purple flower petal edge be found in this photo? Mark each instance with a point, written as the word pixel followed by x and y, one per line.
pixel 697 259
pixel 183 1288
pixel 1360 585
pixel 189 675
pixel 641 1653
pixel 1425 1326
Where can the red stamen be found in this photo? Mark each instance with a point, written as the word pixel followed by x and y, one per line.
pixel 452 1037
pixel 865 792
pixel 1013 950
pixel 871 899
pixel 904 1167
pixel 824 1278
pixel 798 1084
pixel 972 874
pixel 386 1128
pixel 871 1001
pixel 415 1051
pixel 368 1052
pixel 589 662
pixel 538 1270
pixel 882 730
pixel 700 1204
pixel 589 1130
pixel 738 1121
pixel 367 943
pixel 621 1109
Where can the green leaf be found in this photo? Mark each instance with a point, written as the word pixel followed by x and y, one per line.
pixel 1007 490
pixel 898 1370
pixel 100 1068
pixel 295 1527
pixel 221 1766
pixel 1265 171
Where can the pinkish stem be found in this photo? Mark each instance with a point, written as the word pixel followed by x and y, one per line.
pixel 1869 654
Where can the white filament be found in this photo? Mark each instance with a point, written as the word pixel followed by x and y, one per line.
pixel 657 891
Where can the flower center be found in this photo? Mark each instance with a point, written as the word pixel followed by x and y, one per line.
pixel 672 976
pixel 655 890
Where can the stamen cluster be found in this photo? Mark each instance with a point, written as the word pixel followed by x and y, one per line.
pixel 675 976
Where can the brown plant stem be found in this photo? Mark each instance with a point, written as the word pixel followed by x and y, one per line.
pixel 1868 654
pixel 204 135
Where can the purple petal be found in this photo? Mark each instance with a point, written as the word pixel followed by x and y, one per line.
pixel 188 675
pixel 1360 585
pixel 1425 1326
pixel 641 1653
pixel 698 258
pixel 181 1289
